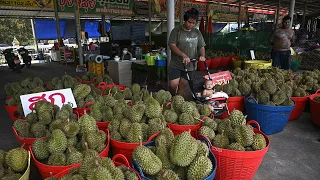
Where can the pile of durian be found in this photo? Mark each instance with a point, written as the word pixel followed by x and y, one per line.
pixel 13 163
pixel 65 82
pixel 26 86
pixel 185 113
pixel 232 133
pixel 89 76
pixel 94 167
pixel 43 120
pixel 273 87
pixel 70 141
pixel 143 119
pixel 174 158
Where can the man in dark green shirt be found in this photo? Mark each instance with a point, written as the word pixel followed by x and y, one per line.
pixel 185 42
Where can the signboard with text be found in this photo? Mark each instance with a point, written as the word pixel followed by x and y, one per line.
pixel 220 78
pixel 28 3
pixel 119 7
pixel 225 13
pixel 57 97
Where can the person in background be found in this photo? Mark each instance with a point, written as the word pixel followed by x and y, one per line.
pixel 281 40
pixel 186 43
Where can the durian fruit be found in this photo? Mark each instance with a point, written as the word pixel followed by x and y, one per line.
pixel 17 159
pixel 221 141
pixel 187 119
pixel 236 146
pixel 170 115
pixel 57 143
pixel 135 88
pixel 269 86
pixel 167 174
pixel 177 103
pixel 148 161
pixel 259 142
pixel 153 109
pixel 184 149
pixel 244 135
pixel 279 97
pixel 40 149
pixel 205 110
pixel 210 123
pixel 237 118
pixel 81 91
pixel 127 93
pixel 200 168
pixel 207 132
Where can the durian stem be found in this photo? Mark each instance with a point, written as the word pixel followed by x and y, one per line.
pixel 140 140
pixel 86 146
pixel 165 174
pixel 23 145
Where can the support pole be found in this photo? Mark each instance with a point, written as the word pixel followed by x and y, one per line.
pixel 56 15
pixel 77 18
pixel 278 13
pixel 34 36
pixel 291 11
pixel 170 26
pixel 150 15
pixel 103 25
pixel 239 15
pixel 304 15
pixel 181 12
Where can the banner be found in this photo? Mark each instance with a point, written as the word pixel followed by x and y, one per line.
pixel 28 3
pixel 226 13
pixel 160 7
pixel 119 7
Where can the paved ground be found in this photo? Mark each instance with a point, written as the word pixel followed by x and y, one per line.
pixel 293 154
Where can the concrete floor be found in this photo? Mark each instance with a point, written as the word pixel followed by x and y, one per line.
pixel 293 154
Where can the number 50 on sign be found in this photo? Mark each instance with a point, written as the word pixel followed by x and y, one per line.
pixel 57 97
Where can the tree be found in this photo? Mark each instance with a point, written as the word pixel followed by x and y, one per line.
pixel 19 28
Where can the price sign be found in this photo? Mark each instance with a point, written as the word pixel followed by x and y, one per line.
pixel 57 97
pixel 220 78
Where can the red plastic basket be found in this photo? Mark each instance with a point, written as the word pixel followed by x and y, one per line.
pixel 315 109
pixel 8 97
pixel 46 170
pixel 125 148
pixel 124 161
pixel 225 61
pixel 201 66
pixel 178 129
pixel 103 125
pixel 80 111
pixel 233 103
pixel 86 82
pixel 16 116
pixel 215 63
pixel 239 165
pixel 11 110
pixel 104 86
pixel 25 141
pixel 301 103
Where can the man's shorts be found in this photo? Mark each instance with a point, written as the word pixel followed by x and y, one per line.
pixel 281 59
pixel 175 73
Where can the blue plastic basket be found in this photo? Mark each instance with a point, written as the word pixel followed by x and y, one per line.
pixel 272 119
pixel 213 159
pixel 161 62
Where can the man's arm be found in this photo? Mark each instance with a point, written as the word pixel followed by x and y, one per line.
pixel 293 38
pixel 177 51
pixel 271 38
pixel 173 40
pixel 201 45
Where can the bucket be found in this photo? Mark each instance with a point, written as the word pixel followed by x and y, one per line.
pixel 272 119
pixel 11 110
pixel 315 109
pixel 115 160
pixel 239 165
pixel 25 141
pixel 161 63
pixel 215 63
pixel 212 157
pixel 225 62
pixel 151 60
pixel 178 129
pixel 102 125
pixel 86 82
pixel 258 64
pixel 15 116
pixel 201 66
pixel 301 103
pixel 26 174
pixel 233 103
pixel 80 111
pixel 46 170
pixel 125 148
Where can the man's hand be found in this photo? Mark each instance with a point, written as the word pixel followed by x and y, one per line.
pixel 186 59
pixel 202 58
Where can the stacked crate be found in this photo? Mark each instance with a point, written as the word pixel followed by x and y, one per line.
pixel 97 68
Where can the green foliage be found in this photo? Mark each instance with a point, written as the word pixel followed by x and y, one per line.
pixel 20 28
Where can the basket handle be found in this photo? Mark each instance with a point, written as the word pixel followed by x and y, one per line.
pixel 153 136
pixel 88 103
pixel 317 91
pixel 102 85
pixel 134 163
pixel 250 97
pixel 122 157
pixel 254 123
pixel 206 139
pixel 78 79
pixel 168 104
pixel 94 79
